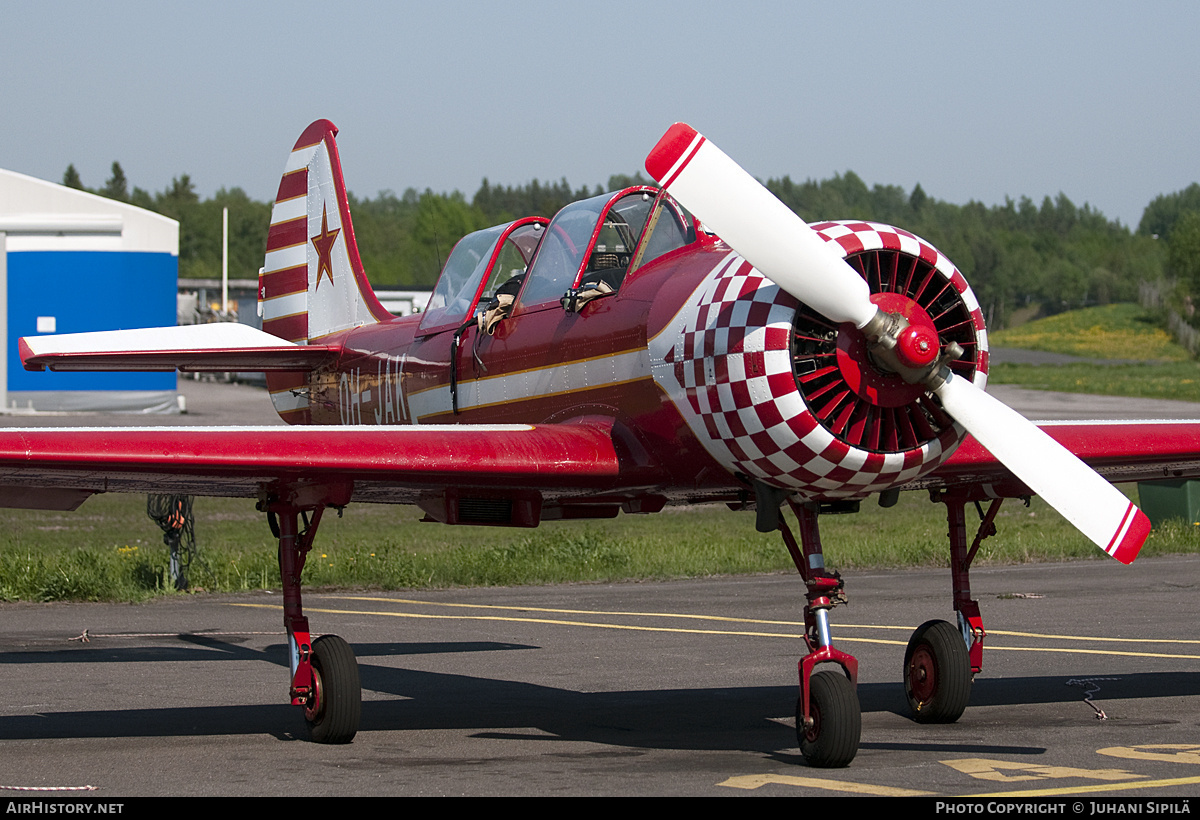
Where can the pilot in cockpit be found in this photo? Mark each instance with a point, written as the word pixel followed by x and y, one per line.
pixel 612 252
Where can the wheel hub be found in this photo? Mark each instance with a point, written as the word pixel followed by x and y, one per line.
pixel 923 674
pixel 316 699
pixel 812 726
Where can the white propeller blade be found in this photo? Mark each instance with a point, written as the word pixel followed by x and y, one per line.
pixel 1096 508
pixel 758 226
pixel 784 249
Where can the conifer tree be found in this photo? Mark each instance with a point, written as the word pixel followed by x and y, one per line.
pixel 71 178
pixel 117 186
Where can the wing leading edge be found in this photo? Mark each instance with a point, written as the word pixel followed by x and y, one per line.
pixel 59 469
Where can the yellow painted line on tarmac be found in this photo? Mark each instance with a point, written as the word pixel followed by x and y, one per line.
pixel 512 608
pixel 680 630
pixel 1079 651
pixel 1166 752
pixel 754 781
pixel 551 621
pixel 1097 787
pixel 1044 636
pixel 729 619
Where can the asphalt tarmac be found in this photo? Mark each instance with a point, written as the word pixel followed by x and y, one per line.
pixel 678 688
pixel 209 403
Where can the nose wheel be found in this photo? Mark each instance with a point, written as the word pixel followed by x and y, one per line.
pixel 828 715
pixel 830 741
pixel 937 673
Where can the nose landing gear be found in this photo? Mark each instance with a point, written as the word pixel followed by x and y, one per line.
pixel 828 715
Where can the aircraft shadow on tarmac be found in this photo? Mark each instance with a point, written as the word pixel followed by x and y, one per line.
pixel 718 719
pixel 229 647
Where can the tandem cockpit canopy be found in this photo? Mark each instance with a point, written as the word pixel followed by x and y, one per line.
pixel 592 244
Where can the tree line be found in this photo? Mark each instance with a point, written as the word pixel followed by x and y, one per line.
pixel 1051 256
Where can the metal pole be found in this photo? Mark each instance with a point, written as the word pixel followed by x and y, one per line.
pixel 225 261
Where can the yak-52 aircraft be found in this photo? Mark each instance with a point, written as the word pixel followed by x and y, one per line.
pixel 650 346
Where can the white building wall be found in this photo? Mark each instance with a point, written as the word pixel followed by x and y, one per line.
pixel 43 216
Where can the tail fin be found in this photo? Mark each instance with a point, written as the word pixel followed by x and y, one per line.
pixel 313 282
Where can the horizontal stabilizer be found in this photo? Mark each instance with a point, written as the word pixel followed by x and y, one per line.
pixel 217 347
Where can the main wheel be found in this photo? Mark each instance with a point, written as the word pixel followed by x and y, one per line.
pixel 937 673
pixel 832 740
pixel 336 708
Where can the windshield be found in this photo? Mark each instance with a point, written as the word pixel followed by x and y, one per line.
pixel 513 259
pixel 456 288
pixel 668 228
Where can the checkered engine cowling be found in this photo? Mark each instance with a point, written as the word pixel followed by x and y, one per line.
pixel 774 391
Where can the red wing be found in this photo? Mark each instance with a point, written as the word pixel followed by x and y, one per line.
pixel 1119 451
pixel 59 469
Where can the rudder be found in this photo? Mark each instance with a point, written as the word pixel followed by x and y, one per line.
pixel 313 283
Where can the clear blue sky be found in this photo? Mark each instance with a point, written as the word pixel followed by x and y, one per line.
pixel 1098 100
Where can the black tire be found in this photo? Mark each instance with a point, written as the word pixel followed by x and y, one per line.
pixel 937 673
pixel 338 692
pixel 832 741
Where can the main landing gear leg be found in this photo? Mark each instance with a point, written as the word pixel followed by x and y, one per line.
pixel 941 659
pixel 828 715
pixel 324 672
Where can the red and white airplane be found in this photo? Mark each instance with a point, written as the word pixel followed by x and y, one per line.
pixel 622 356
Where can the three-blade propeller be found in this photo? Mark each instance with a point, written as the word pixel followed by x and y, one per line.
pixel 789 253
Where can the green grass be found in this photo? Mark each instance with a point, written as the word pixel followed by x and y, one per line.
pixel 1173 380
pixel 1166 370
pixel 109 551
pixel 1123 331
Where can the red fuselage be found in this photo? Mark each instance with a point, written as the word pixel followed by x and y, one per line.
pixel 709 377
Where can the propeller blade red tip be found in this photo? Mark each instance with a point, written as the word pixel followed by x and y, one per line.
pixel 753 222
pixel 1128 540
pixel 1096 508
pixel 670 149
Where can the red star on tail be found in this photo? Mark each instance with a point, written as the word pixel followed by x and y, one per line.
pixel 324 245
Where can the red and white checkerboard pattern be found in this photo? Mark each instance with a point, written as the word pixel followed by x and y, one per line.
pixel 726 363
